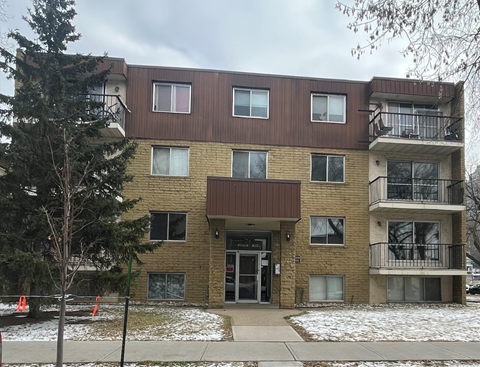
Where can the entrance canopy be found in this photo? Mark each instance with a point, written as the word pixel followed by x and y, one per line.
pixel 255 204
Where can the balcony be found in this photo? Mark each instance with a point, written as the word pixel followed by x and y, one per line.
pixel 432 196
pixel 417 259
pixel 113 111
pixel 255 204
pixel 428 133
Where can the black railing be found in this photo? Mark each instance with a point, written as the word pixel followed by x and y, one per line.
pixel 427 126
pixel 416 255
pixel 113 108
pixel 422 190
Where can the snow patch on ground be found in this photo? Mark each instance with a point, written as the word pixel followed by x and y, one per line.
pixel 187 324
pixel 170 364
pixel 184 324
pixel 355 323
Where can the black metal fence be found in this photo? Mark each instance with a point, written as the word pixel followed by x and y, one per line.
pixel 416 255
pixel 416 190
pixel 428 126
pixel 113 108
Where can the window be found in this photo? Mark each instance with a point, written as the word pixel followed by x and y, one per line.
pixel 170 161
pixel 413 240
pixel 326 288
pixel 328 108
pixel 171 97
pixel 413 289
pixel 168 226
pixel 166 286
pixel 414 120
pixel 328 168
pixel 326 231
pixel 250 102
pixel 415 181
pixel 249 164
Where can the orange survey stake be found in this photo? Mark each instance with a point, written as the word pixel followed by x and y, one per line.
pixel 22 302
pixel 96 306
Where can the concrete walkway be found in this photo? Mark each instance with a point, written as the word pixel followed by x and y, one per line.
pixel 137 351
pixel 264 324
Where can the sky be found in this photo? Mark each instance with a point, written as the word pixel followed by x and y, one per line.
pixel 302 38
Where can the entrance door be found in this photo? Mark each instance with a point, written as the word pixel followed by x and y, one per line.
pixel 248 268
pixel 243 276
pixel 248 278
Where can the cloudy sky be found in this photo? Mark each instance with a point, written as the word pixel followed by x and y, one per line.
pixel 305 37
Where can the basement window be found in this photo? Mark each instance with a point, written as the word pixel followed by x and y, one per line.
pixel 166 286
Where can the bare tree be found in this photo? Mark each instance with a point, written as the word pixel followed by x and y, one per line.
pixel 473 215
pixel 442 37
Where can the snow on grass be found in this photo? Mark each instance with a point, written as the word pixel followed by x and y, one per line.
pixel 166 323
pixel 145 322
pixel 373 323
pixel 150 364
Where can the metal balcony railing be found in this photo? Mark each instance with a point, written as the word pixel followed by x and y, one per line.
pixel 426 126
pixel 421 190
pixel 416 255
pixel 113 109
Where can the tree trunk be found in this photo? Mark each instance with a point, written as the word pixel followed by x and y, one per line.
pixel 34 303
pixel 34 308
pixel 61 328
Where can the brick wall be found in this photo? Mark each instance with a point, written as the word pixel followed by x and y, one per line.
pixel 216 283
pixel 194 256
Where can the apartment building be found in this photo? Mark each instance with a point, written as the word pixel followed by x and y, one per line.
pixel 287 190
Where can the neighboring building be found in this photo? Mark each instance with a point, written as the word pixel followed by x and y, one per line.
pixel 287 190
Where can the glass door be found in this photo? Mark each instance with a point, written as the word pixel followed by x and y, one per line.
pixel 427 121
pixel 248 277
pixel 230 276
pixel 425 182
pixel 413 181
pixel 399 180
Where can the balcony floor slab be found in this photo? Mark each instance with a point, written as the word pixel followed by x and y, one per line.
pixel 113 130
pixel 410 207
pixel 403 145
pixel 416 271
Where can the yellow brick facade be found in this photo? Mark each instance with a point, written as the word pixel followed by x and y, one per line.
pixel 194 256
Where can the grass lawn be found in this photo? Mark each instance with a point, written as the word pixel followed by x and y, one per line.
pixel 145 322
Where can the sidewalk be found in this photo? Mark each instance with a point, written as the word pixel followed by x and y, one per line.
pixel 138 351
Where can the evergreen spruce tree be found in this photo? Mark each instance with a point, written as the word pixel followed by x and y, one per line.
pixel 58 199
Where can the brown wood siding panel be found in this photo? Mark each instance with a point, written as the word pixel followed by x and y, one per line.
pixel 211 113
pixel 411 87
pixel 253 198
pixel 119 66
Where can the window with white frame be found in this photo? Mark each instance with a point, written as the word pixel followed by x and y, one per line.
pixel 247 164
pixel 328 168
pixel 170 161
pixel 414 289
pixel 166 286
pixel 250 102
pixel 326 288
pixel 327 231
pixel 168 97
pixel 166 226
pixel 328 108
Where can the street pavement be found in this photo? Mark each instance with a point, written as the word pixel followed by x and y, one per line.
pixel 178 351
